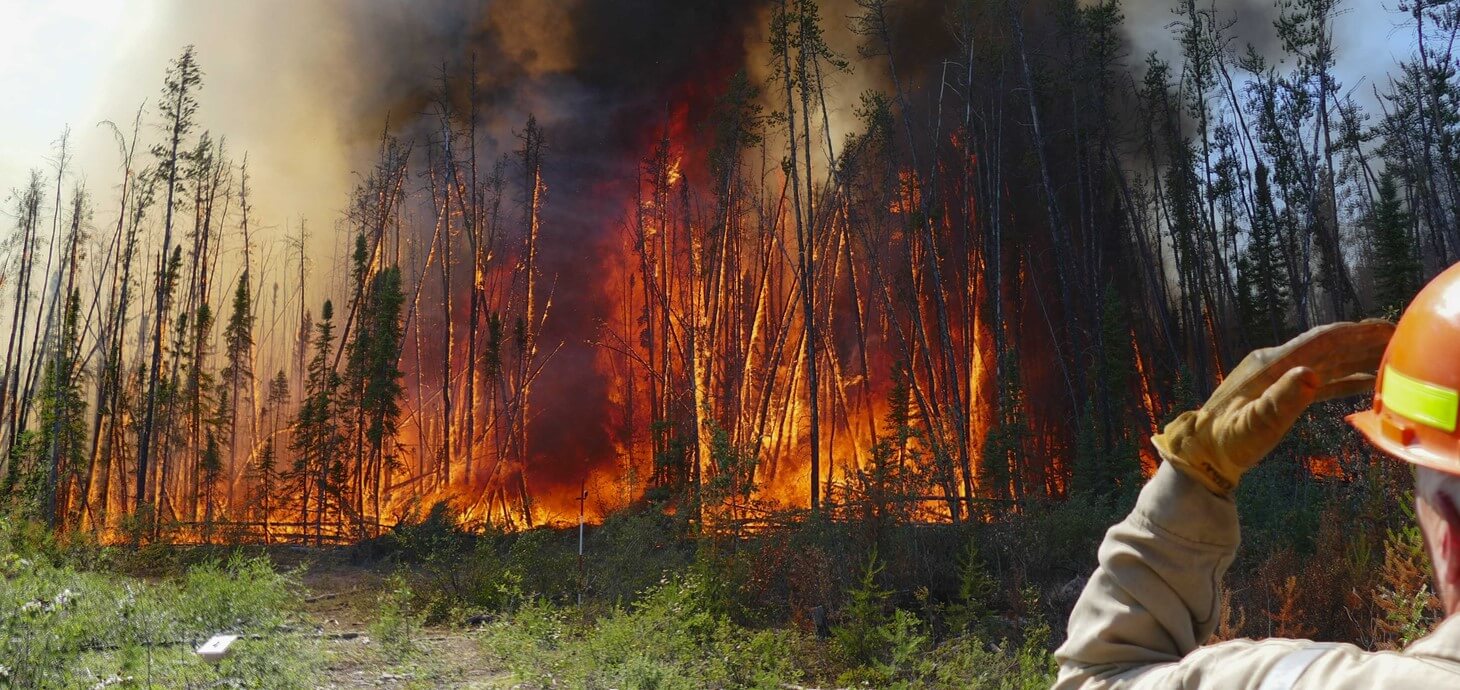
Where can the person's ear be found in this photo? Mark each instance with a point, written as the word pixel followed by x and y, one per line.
pixel 1447 550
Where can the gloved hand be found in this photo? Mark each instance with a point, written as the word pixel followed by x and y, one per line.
pixel 1259 401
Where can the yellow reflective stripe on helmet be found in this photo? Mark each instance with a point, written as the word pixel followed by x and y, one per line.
pixel 1422 402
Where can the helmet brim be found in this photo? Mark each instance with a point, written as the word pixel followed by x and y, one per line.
pixel 1371 425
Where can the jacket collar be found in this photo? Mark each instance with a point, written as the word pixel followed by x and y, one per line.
pixel 1442 643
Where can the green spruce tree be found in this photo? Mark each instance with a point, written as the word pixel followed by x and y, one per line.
pixel 1262 293
pixel 373 379
pixel 1105 453
pixel 265 467
pixel 238 351
pixel 1396 263
pixel 63 417
pixel 178 107
pixel 317 436
pixel 210 467
pixel 999 472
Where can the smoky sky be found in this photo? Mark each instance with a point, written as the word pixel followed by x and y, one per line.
pixel 1148 25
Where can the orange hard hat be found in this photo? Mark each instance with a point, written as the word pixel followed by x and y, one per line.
pixel 1417 394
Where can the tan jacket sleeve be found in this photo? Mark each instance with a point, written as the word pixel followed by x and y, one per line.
pixel 1155 598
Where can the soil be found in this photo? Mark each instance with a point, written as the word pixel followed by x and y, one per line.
pixel 340 602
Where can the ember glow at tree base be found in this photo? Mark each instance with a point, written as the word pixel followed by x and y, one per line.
pixel 723 260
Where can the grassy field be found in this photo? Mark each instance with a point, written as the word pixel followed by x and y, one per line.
pixel 660 603
pixel 391 614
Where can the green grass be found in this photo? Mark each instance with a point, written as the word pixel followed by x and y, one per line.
pixel 675 636
pixel 64 625
pixel 672 637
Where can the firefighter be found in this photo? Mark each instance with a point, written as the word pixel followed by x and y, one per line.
pixel 1155 597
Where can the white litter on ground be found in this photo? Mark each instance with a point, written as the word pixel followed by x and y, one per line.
pixel 216 648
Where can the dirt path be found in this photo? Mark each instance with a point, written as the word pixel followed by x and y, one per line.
pixel 341 600
pixel 447 660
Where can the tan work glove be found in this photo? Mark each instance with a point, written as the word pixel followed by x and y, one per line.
pixel 1259 401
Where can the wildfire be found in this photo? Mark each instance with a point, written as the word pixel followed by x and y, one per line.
pixel 908 199
pixel 691 319
pixel 1149 459
pixel 1324 466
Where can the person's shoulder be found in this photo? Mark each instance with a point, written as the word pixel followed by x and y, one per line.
pixel 1441 645
pixel 1346 667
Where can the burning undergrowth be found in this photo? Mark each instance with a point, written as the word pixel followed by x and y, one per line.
pixel 641 199
pixel 723 258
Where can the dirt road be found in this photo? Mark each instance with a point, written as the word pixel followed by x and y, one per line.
pixel 341 601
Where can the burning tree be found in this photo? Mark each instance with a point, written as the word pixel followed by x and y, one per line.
pixel 806 263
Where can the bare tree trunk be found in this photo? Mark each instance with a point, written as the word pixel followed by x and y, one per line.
pixel 30 215
pixel 144 445
pixel 1059 238
pixel 803 269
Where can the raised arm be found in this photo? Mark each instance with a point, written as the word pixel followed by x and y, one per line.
pixel 1155 597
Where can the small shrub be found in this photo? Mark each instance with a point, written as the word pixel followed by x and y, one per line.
pixel 467 583
pixel 969 611
pixel 1410 609
pixel 27 538
pixel 630 553
pixel 544 564
pixel 672 637
pixel 1033 664
pixel 860 637
pixel 880 643
pixel 243 594
pixel 396 627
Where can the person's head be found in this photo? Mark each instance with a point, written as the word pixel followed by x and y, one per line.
pixel 1415 418
pixel 1436 498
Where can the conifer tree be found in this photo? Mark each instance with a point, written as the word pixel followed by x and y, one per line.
pixel 238 350
pixel 892 477
pixel 1000 470
pixel 1396 264
pixel 796 34
pixel 265 475
pixel 382 387
pixel 198 407
pixel 63 415
pixel 27 214
pixel 265 467
pixel 1105 456
pixel 210 468
pixel 1263 297
pixel 372 377
pixel 178 106
pixel 317 437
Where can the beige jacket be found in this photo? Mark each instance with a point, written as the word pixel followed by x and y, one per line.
pixel 1155 598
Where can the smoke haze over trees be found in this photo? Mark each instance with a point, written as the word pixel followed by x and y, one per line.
pixel 865 257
